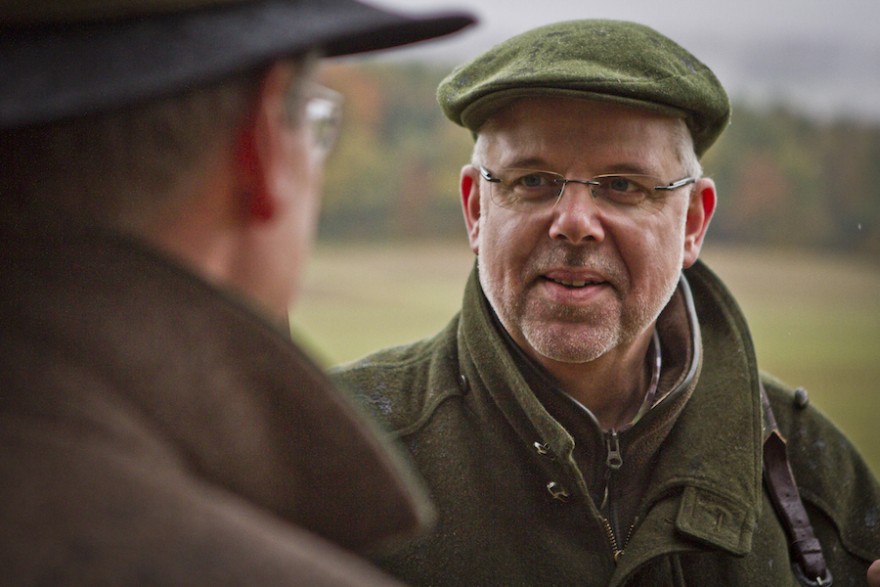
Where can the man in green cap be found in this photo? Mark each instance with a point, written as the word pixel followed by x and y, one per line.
pixel 595 415
pixel 160 164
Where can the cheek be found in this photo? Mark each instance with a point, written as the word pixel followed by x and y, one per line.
pixel 309 205
pixel 304 216
pixel 653 251
pixel 508 239
pixel 300 223
pixel 300 237
pixel 302 184
pixel 662 258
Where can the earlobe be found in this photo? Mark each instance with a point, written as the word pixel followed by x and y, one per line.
pixel 699 215
pixel 469 187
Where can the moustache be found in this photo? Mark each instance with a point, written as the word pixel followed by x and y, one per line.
pixel 567 256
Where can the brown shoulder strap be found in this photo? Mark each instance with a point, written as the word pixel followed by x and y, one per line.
pixel 808 561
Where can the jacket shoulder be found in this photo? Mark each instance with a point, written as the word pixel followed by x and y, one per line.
pixel 402 386
pixel 830 473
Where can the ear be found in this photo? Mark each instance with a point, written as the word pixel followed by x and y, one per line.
pixel 469 186
pixel 251 190
pixel 699 215
pixel 260 145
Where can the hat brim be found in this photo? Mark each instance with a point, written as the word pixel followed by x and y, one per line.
pixel 55 71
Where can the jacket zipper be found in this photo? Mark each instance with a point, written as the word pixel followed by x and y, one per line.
pixel 613 462
pixel 617 551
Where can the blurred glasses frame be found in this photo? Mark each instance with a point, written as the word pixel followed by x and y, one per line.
pixel 318 110
pixel 323 117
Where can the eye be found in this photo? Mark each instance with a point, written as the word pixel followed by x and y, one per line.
pixel 620 183
pixel 523 187
pixel 620 189
pixel 534 180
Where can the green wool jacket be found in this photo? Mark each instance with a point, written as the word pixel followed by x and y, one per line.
pixel 517 496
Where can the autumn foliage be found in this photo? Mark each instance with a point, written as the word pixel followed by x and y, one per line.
pixel 783 178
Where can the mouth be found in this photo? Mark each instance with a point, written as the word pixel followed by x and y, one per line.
pixel 574 283
pixel 573 288
pixel 574 278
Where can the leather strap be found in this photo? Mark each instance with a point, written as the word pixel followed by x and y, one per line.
pixel 808 561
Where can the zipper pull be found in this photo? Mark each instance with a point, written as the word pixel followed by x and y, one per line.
pixel 615 459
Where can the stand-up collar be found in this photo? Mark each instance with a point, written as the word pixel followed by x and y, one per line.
pixel 180 371
pixel 715 468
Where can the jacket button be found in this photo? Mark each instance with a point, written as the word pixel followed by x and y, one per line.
pixel 801 398
pixel 557 491
pixel 463 381
pixel 543 449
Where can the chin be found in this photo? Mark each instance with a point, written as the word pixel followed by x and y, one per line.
pixel 567 344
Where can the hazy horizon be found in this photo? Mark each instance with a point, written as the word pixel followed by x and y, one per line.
pixel 823 57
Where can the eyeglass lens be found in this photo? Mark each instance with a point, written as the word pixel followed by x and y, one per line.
pixel 323 112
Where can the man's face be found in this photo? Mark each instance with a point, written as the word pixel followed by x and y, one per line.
pixel 574 281
pixel 292 143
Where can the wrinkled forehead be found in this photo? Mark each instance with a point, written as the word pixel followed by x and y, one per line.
pixel 574 129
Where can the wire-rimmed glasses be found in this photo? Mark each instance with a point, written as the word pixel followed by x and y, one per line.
pixel 318 110
pixel 323 116
pixel 522 189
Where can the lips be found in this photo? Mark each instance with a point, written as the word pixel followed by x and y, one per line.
pixel 574 279
pixel 575 283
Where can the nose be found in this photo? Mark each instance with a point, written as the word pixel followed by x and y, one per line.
pixel 577 216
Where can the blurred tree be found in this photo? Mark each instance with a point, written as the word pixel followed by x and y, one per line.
pixel 851 164
pixel 783 178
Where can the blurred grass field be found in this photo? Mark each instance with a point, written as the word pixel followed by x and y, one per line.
pixel 815 318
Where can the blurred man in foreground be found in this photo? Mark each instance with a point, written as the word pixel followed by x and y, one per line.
pixel 595 414
pixel 159 188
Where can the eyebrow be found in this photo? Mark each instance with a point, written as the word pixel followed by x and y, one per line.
pixel 539 163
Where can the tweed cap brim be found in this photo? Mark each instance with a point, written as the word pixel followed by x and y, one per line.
pixel 64 65
pixel 604 60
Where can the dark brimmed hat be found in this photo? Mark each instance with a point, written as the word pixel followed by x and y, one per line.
pixel 74 57
pixel 607 60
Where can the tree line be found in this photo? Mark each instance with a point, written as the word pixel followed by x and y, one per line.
pixel 784 178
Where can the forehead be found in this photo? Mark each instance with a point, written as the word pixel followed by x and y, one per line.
pixel 566 130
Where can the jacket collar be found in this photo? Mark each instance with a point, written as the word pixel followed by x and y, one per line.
pixel 193 373
pixel 715 451
pixel 716 470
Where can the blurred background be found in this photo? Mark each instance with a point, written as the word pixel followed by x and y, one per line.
pixel 796 236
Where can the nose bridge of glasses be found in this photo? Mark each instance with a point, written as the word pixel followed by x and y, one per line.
pixel 588 184
pixel 577 205
pixel 580 217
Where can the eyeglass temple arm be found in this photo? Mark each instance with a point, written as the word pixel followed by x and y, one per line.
pixel 676 184
pixel 484 173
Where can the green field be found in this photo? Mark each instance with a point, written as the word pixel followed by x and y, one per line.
pixel 815 318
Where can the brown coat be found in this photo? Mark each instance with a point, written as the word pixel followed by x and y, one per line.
pixel 155 431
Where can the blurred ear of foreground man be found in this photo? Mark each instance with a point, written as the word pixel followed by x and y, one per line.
pixel 160 164
pixel 595 415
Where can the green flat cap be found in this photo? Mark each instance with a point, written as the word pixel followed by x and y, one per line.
pixel 592 59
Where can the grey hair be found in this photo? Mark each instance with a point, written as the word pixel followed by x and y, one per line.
pixel 687 156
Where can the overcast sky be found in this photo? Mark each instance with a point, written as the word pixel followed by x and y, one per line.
pixel 824 55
